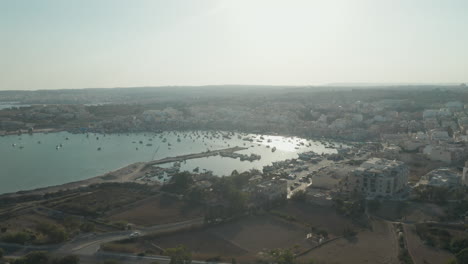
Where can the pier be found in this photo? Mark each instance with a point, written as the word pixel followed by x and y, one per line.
pixel 194 156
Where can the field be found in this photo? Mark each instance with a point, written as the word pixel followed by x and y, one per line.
pixel 243 239
pixel 158 209
pixel 321 217
pixel 102 199
pixel 410 211
pixel 374 246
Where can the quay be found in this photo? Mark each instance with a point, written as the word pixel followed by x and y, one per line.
pixel 193 156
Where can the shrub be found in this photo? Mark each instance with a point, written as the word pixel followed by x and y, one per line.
pixel 54 233
pixel 71 259
pixel 299 196
pixel 87 227
pixel 18 238
pixel 462 256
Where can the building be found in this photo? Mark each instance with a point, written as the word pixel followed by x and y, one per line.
pixel 269 191
pixel 381 177
pixel 447 153
pixel 464 179
pixel 442 177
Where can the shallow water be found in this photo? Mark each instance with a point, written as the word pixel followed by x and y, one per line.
pixel 33 161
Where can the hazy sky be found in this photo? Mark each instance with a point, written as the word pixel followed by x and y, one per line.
pixel 51 44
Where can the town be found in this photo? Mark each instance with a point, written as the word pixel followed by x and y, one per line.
pixel 393 192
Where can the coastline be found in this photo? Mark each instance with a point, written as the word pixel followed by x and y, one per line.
pixel 129 173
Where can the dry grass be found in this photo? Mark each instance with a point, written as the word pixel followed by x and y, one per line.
pixel 154 210
pixel 242 239
pixel 317 216
pixel 374 246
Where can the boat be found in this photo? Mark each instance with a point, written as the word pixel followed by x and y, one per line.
pixel 99 148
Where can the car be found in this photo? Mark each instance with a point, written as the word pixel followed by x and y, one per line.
pixel 135 234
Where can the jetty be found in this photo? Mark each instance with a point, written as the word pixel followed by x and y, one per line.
pixel 222 152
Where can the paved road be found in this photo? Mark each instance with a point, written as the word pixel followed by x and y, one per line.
pixel 90 244
pixel 87 246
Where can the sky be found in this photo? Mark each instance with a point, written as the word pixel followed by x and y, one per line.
pixel 59 44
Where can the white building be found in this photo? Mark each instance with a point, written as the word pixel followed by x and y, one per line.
pixel 381 177
pixel 442 177
pixel 464 179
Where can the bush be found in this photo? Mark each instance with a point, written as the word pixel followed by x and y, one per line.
pixel 87 227
pixel 462 256
pixel 348 232
pixel 54 233
pixel 34 257
pixel 299 196
pixel 458 244
pixel 17 238
pixel 179 255
pixel 71 259
pixel 373 205
pixel 405 257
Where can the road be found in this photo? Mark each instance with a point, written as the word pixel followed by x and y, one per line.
pixel 87 246
pixel 90 244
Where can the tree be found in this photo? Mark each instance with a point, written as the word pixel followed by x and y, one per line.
pixel 283 256
pixel 36 257
pixel 179 255
pixel 55 233
pixel 179 183
pixel 458 244
pixel 87 227
pixel 462 256
pixel 70 259
pixel 18 238
pixel 373 205
pixel 299 196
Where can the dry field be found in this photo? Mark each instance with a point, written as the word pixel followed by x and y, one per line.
pixel 242 239
pixel 154 210
pixel 317 216
pixel 374 246
pixel 259 233
pixel 410 211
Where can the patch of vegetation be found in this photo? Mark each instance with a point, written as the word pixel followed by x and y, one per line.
pixel 20 237
pixel 373 205
pixel 117 247
pixel 405 257
pixel 299 196
pixel 53 233
pixel 283 215
pixel 432 194
pixel 352 207
pixel 42 257
pixel 104 197
pixel 179 255
pixel 348 232
pixel 433 236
